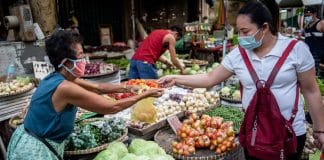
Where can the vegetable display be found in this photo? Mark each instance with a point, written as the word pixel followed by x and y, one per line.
pixel 138 149
pixel 200 100
pixel 98 68
pixel 143 83
pixel 121 63
pixel 204 132
pixel 231 92
pixel 96 133
pixel 191 67
pixel 17 85
pixel 229 114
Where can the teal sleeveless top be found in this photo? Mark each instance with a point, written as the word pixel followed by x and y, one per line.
pixel 41 117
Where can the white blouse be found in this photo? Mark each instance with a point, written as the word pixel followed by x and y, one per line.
pixel 284 85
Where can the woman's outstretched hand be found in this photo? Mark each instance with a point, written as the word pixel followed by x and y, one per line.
pixel 166 81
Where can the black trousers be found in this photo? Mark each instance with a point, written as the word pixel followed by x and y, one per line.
pixel 300 147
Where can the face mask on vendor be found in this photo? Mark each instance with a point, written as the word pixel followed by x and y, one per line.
pixel 249 42
pixel 308 19
pixel 78 67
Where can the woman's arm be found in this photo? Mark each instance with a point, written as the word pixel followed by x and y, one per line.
pixel 207 80
pixel 71 93
pixel 313 97
pixel 102 88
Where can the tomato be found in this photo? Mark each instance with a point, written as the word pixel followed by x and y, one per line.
pixel 174 150
pixel 179 146
pixel 215 142
pixel 180 151
pixel 212 147
pixel 183 135
pixel 223 148
pixel 186 153
pixel 191 149
pixel 230 131
pixel 219 140
pixel 174 144
pixel 218 151
pixel 190 141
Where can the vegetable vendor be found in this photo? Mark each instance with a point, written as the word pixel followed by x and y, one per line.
pixel 151 49
pixel 314 35
pixel 261 48
pixel 52 110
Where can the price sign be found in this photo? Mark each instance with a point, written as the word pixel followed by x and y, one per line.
pixel 175 123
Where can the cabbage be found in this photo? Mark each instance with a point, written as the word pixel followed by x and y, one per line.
pixel 236 95
pixel 193 72
pixel 225 91
pixel 106 154
pixel 209 69
pixel 142 147
pixel 216 64
pixel 161 157
pixel 142 157
pixel 195 67
pixel 118 148
pixel 129 156
pixel 187 70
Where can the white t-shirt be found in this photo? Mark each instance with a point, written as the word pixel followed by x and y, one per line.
pixel 284 85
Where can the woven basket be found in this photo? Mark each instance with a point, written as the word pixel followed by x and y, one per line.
pixel 230 100
pixel 21 92
pixel 123 138
pixel 21 115
pixel 14 126
pixel 165 137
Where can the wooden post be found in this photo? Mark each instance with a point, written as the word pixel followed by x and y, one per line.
pixel 44 13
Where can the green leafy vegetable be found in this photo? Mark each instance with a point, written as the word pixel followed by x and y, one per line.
pixel 92 134
pixel 118 148
pixel 121 63
pixel 142 147
pixel 106 154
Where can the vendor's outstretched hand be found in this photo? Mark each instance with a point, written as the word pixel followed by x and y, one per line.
pixel 166 81
pixel 155 92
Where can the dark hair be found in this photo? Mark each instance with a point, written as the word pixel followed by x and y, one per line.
pixel 263 11
pixel 177 29
pixel 59 46
pixel 310 9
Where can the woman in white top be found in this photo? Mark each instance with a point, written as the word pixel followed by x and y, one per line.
pixel 257 26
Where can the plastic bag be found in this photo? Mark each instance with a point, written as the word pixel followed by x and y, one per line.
pixel 144 111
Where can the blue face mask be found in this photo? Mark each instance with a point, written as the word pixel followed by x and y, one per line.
pixel 249 42
pixel 308 19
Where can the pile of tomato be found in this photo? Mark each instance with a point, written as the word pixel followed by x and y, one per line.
pixel 204 132
pixel 143 82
